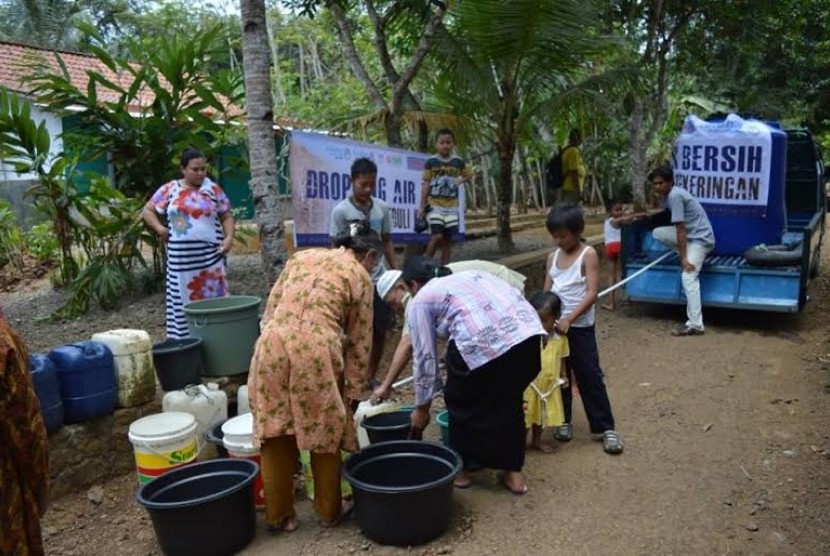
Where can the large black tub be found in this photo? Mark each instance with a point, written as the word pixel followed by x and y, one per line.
pixel 403 490
pixel 205 508
pixel 384 427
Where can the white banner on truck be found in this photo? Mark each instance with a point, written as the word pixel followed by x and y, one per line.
pixel 725 163
pixel 320 178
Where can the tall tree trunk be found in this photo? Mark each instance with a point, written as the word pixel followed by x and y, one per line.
pixel 270 212
pixel 505 196
pixel 638 152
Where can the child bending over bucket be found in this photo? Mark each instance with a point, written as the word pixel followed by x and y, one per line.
pixel 543 398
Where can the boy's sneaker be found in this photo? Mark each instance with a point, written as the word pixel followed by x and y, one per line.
pixel 563 433
pixel 612 443
pixel 687 331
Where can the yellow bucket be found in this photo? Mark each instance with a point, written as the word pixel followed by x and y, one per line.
pixel 162 442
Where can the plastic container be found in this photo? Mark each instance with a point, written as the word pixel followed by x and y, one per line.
pixel 229 328
pixel 403 490
pixel 364 410
pixel 443 420
pixel 178 363
pixel 204 508
pixel 48 390
pixel 86 373
pixel 243 402
pixel 208 404
pixel 308 475
pixel 162 442
pixel 215 437
pixel 238 438
pixel 737 228
pixel 132 352
pixel 388 426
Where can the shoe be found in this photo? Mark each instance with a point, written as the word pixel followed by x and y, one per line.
pixel 612 443
pixel 563 433
pixel 687 331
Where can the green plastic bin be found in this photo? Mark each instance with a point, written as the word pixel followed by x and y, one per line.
pixel 443 420
pixel 229 328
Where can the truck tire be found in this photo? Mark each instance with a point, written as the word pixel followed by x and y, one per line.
pixel 770 256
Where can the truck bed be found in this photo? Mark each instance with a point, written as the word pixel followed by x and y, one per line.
pixel 725 281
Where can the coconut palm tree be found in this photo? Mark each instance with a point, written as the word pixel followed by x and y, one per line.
pixel 506 65
pixel 270 211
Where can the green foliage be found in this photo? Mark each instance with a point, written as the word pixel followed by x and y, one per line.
pixel 142 138
pixel 108 232
pixel 25 146
pixel 11 242
pixel 42 244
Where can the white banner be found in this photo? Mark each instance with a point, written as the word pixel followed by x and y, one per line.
pixel 725 163
pixel 320 178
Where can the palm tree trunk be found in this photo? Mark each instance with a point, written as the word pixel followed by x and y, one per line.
pixel 269 210
pixel 504 198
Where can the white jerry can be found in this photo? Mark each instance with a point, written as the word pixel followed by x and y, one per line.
pixel 132 352
pixel 208 404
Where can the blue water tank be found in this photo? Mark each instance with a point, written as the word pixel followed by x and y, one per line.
pixel 48 390
pixel 735 232
pixel 86 372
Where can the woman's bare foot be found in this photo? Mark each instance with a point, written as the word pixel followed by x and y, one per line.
pixel 462 480
pixel 287 524
pixel 514 482
pixel 346 507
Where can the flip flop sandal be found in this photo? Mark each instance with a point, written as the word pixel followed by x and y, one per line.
pixel 612 443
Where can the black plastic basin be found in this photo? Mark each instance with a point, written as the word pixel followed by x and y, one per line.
pixel 216 437
pixel 205 508
pixel 386 427
pixel 178 363
pixel 403 490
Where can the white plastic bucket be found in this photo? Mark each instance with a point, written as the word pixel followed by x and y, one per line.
pixel 238 439
pixel 162 442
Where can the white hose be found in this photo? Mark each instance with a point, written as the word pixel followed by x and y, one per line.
pixel 655 262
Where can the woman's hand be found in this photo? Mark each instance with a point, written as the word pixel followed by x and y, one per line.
pixel 562 325
pixel 164 234
pixel 380 393
pixel 418 420
pixel 225 246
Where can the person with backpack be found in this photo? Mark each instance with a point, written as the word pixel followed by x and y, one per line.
pixel 565 172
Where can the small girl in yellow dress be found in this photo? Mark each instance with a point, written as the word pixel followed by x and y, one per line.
pixel 543 398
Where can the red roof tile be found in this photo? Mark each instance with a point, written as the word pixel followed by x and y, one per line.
pixel 18 61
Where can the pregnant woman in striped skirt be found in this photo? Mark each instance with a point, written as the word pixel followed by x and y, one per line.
pixel 199 233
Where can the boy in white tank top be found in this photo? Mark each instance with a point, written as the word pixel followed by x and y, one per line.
pixel 573 275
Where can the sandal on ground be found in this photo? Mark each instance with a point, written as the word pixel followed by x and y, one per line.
pixel 563 433
pixel 502 478
pixel 346 509
pixel 612 443
pixel 687 331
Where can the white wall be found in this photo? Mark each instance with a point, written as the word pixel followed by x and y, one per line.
pixel 55 127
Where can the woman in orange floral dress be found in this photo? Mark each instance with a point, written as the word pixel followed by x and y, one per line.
pixel 24 474
pixel 199 233
pixel 309 370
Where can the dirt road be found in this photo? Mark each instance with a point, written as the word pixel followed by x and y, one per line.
pixel 727 452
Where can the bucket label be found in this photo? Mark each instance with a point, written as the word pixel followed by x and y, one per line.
pixel 164 460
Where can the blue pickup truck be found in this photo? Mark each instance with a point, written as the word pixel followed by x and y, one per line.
pixel 766 278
